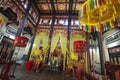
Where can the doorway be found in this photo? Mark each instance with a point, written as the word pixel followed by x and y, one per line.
pixel 6 47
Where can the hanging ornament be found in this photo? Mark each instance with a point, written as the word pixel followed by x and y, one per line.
pixel 108 26
pixel 91 4
pixel 20 41
pixel 99 12
pixel 111 24
pixel 79 46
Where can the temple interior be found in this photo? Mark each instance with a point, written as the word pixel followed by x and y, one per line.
pixel 60 39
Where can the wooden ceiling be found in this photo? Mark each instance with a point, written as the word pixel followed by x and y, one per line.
pixel 62 10
pixel 44 10
pixel 59 7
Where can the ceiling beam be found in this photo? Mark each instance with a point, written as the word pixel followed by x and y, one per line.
pixel 59 14
pixel 21 26
pixel 69 24
pixel 53 7
pixel 35 4
pixel 70 6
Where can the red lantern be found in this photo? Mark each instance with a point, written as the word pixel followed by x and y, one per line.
pixel 77 46
pixel 20 41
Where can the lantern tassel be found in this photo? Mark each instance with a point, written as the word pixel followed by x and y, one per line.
pixel 113 17
pixel 106 2
pixel 111 24
pixel 110 1
pixel 114 9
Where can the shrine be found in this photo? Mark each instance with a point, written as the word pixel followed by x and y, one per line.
pixel 60 39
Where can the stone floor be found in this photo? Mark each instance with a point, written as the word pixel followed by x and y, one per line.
pixel 21 74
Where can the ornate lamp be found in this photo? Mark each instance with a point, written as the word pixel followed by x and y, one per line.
pixel 95 12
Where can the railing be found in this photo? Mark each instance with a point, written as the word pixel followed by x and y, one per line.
pixel 113 70
pixel 87 76
pixel 79 74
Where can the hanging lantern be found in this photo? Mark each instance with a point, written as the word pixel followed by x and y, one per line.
pixel 99 12
pixel 20 41
pixel 77 46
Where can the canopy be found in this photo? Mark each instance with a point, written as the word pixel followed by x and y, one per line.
pixel 96 12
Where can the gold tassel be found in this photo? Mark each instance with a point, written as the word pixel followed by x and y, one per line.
pixel 96 27
pixel 114 9
pixel 100 12
pixel 88 17
pixel 113 17
pixel 111 25
pixel 106 2
pixel 88 7
pixel 110 1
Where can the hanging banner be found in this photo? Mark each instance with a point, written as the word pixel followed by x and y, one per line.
pixel 20 41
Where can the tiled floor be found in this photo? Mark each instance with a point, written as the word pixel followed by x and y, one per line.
pixel 21 74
